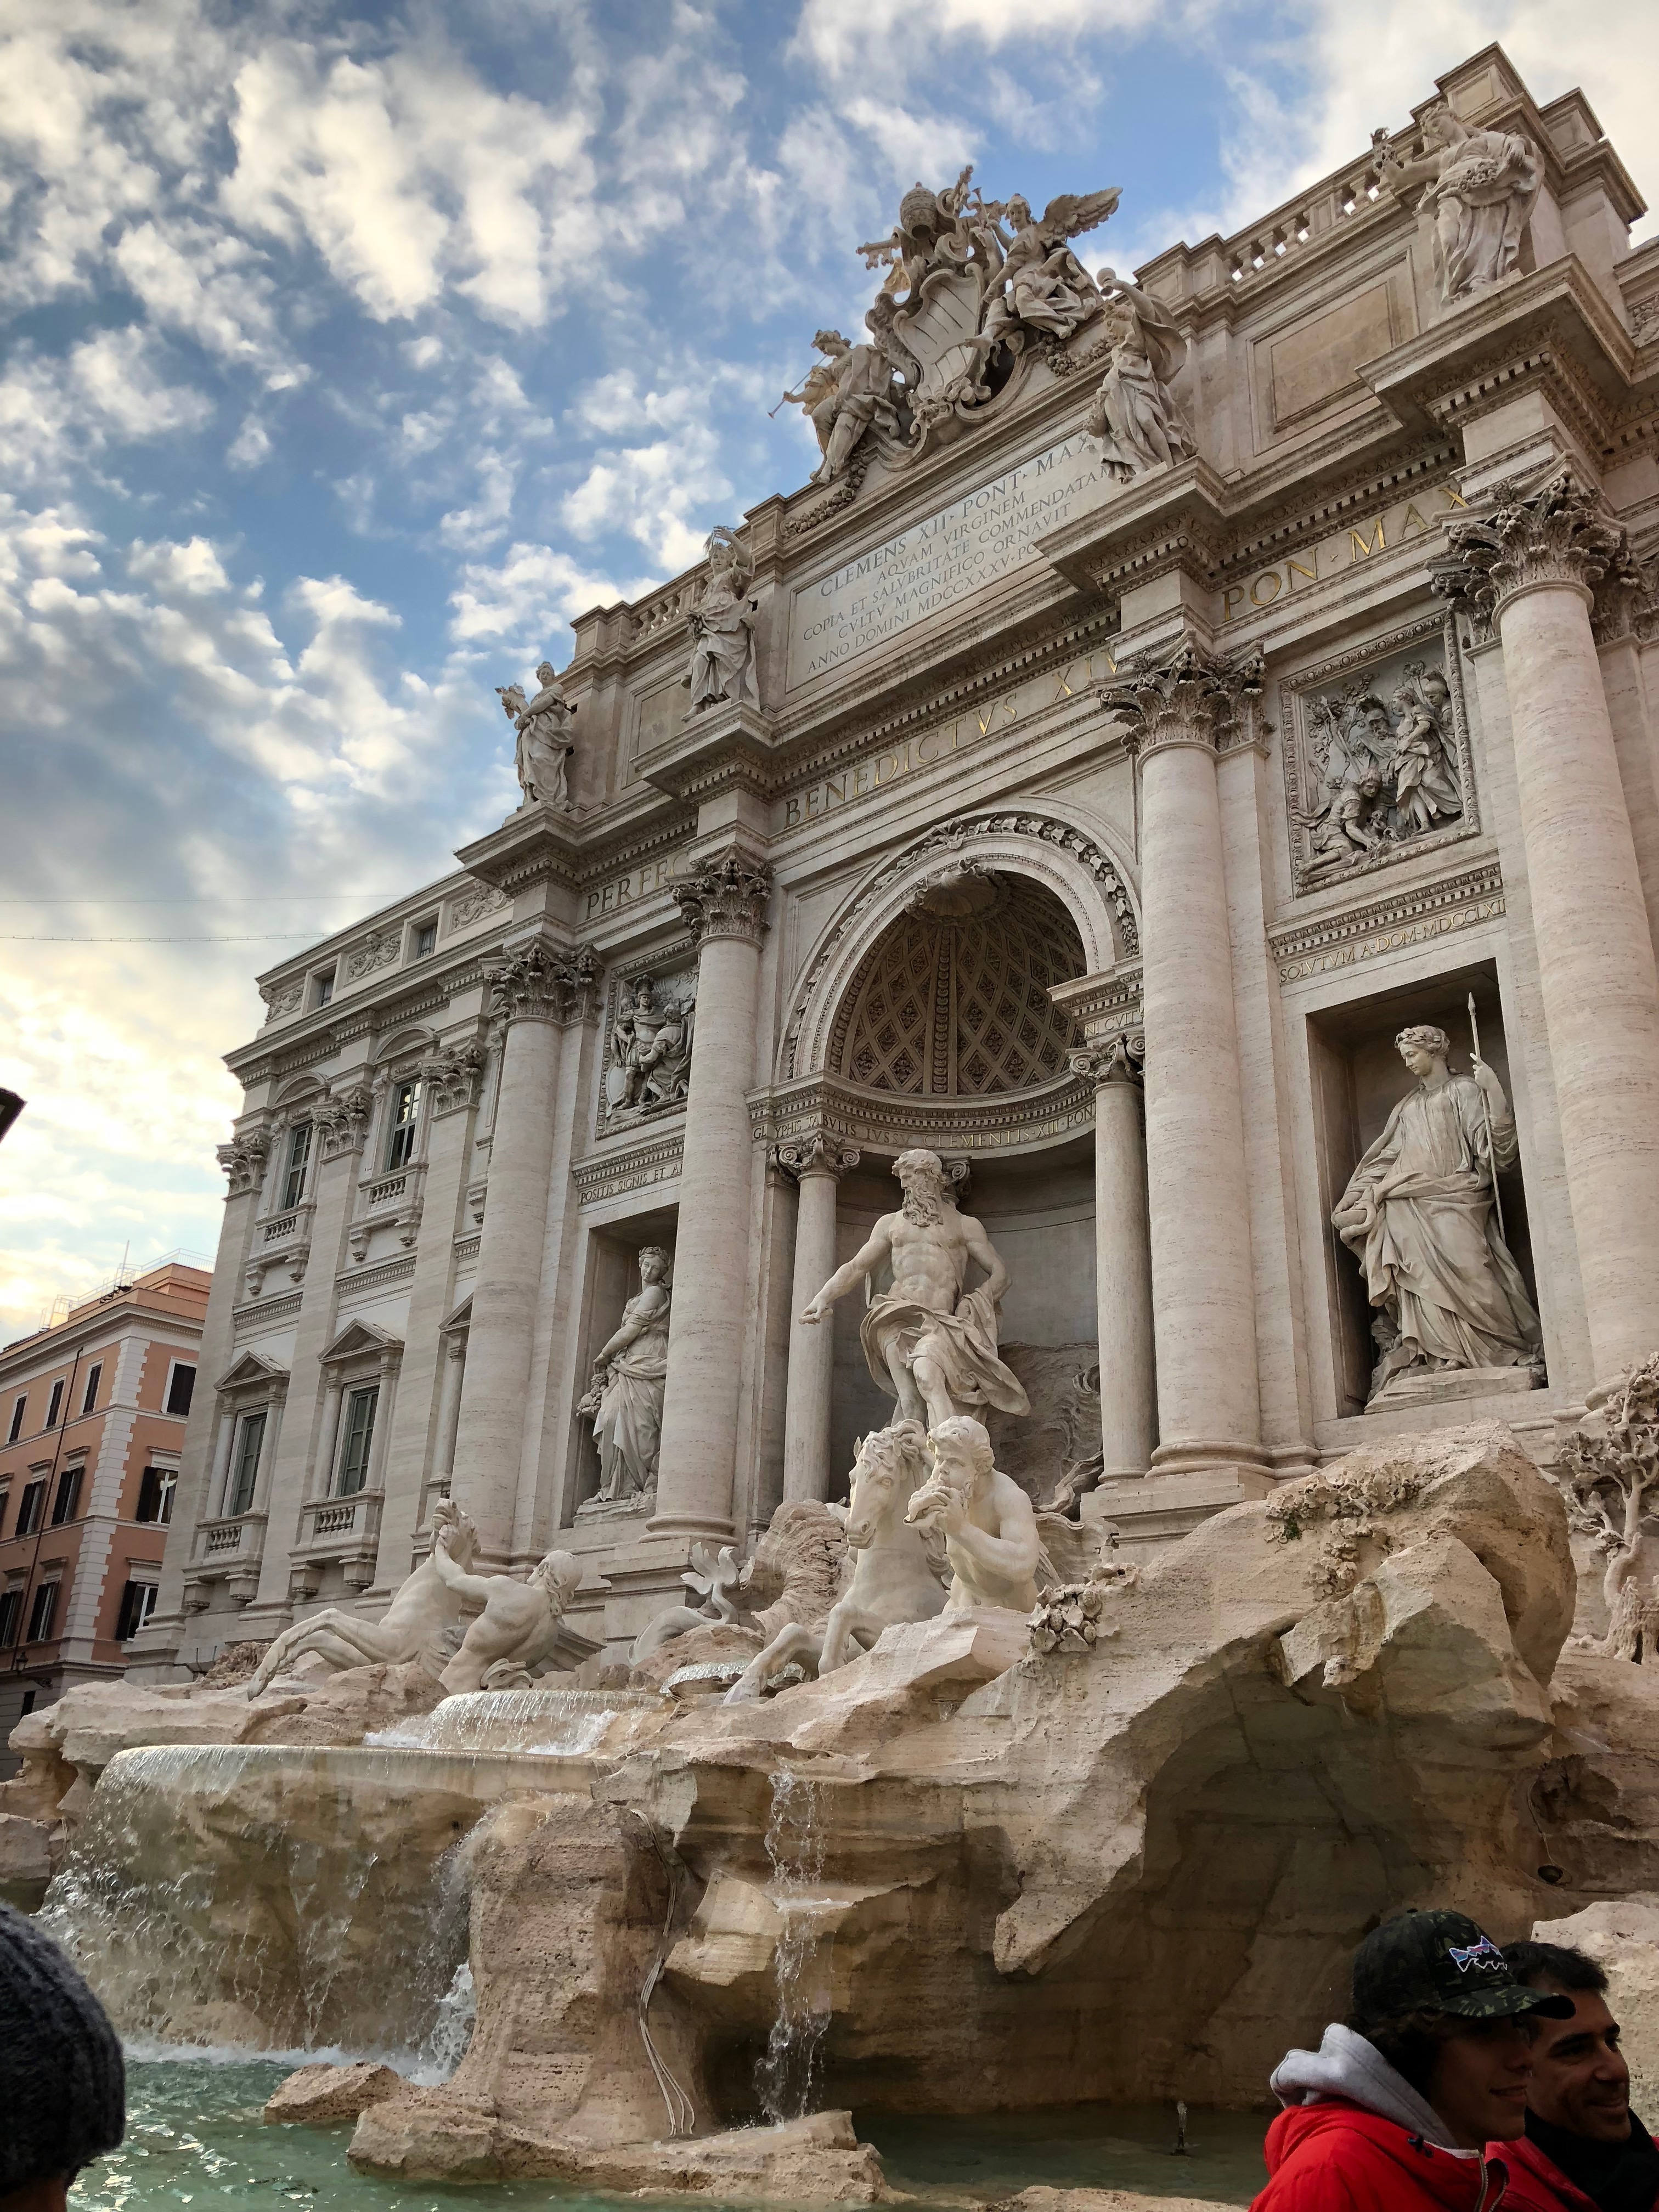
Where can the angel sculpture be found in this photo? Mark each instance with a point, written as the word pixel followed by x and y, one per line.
pixel 853 387
pixel 1135 415
pixel 1042 285
pixel 721 624
pixel 541 757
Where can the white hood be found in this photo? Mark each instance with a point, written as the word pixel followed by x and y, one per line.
pixel 1345 2065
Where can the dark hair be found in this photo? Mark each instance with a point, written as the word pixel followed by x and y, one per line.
pixel 61 2084
pixel 1574 1971
pixel 1411 2042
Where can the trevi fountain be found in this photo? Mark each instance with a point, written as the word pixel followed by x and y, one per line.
pixel 958 1358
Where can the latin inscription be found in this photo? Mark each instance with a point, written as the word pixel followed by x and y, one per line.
pixel 970 544
pixel 638 884
pixel 864 778
pixel 1400 525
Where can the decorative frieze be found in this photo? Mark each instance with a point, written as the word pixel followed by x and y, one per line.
pixel 265 1314
pixel 1556 534
pixel 727 898
pixel 471 905
pixel 380 949
pixel 613 1173
pixel 1388 925
pixel 282 998
pixel 1010 1120
pixel 361 1281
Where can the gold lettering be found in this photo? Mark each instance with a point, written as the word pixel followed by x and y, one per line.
pixel 609 894
pixel 1110 663
pixel 815 798
pixel 1413 517
pixel 790 816
pixel 1452 498
pixel 835 791
pixel 1272 577
pixel 1229 611
pixel 926 760
pixel 984 719
pixel 1294 568
pixel 1010 710
pixel 1359 549
pixel 593 901
pixel 860 790
pixel 1065 691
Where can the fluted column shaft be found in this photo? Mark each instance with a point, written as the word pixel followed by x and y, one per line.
pixel 1208 1399
pixel 1123 1259
pixel 1531 565
pixel 817 1165
pixel 724 905
pixel 528 996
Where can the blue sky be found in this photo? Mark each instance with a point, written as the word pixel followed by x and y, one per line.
pixel 346 356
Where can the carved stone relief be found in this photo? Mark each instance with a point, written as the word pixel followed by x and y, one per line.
pixel 377 950
pixel 1377 757
pixel 480 899
pixel 649 1023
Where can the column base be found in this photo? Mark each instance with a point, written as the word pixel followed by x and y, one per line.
pixel 1199 1455
pixel 691 1525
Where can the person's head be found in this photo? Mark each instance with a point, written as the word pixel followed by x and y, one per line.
pixel 63 2087
pixel 546 674
pixel 654 1264
pixel 1434 1996
pixel 1579 2078
pixel 831 343
pixel 560 1575
pixel 927 1187
pixel 1019 212
pixel 1423 1047
pixel 961 1450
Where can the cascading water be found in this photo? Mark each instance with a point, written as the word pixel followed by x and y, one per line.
pixel 788 2077
pixel 542 1723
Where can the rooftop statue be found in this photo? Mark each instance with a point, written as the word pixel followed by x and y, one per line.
pixel 1135 415
pixel 519 1626
pixel 853 387
pixel 1043 286
pixel 542 755
pixel 985 1518
pixel 1480 186
pixel 722 627
pixel 928 1343
pixel 1418 1213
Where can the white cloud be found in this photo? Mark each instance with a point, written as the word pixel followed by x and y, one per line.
pixel 521 602
pixel 110 388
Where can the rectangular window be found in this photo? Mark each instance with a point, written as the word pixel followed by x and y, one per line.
pixel 19 1407
pixel 31 1507
pixel 67 1502
pixel 90 1399
pixel 181 1385
pixel 400 1137
pixel 358 1429
pixel 244 1464
pixel 5 1499
pixel 293 1176
pixel 56 1405
pixel 137 1603
pixel 11 1614
pixel 326 987
pixel 156 1490
pixel 42 1613
pixel 426 938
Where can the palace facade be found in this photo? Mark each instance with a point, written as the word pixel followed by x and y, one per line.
pixel 1166 695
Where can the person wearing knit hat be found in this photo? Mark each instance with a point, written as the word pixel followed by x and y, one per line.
pixel 63 2086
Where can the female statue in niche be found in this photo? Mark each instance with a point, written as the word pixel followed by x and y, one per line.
pixel 1417 1212
pixel 624 1399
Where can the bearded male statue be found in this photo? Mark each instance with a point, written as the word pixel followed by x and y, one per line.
pixel 928 1343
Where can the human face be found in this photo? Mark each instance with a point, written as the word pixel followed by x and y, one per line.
pixel 1579 2078
pixel 1479 2084
pixel 1419 1062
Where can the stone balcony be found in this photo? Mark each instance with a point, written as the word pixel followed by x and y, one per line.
pixel 227 1550
pixel 336 1531
pixel 391 1201
pixel 283 1242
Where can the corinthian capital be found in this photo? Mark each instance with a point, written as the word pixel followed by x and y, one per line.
pixel 541 983
pixel 1557 535
pixel 243 1160
pixel 1112 1060
pixel 727 898
pixel 814 1154
pixel 1185 696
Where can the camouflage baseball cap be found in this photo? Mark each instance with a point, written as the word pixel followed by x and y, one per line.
pixel 1440 1962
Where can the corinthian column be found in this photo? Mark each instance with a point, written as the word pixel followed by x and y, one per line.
pixel 1209 1413
pixel 1529 567
pixel 725 905
pixel 1123 1257
pixel 528 992
pixel 817 1164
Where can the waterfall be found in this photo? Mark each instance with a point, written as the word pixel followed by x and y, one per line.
pixel 548 1723
pixel 278 1898
pixel 788 2077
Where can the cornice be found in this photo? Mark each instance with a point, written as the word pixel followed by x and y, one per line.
pixel 264 1313
pixel 847 1117
pixel 1411 915
pixel 622 1168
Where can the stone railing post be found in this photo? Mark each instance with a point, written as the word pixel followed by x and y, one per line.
pixel 1123 1257
pixel 817 1164
pixel 725 903
pixel 1209 1413
pixel 1530 567
pixel 529 991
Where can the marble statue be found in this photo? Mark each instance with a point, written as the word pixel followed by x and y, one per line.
pixel 1135 415
pixel 1417 1212
pixel 624 1399
pixel 895 1566
pixel 722 626
pixel 926 1341
pixel 852 388
pixel 1042 285
pixel 1480 186
pixel 1387 773
pixel 651 1047
pixel 516 1632
pixel 541 756
pixel 1608 1473
pixel 419 1624
pixel 985 1518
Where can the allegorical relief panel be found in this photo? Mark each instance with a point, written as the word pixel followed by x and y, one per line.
pixel 648 1066
pixel 1377 757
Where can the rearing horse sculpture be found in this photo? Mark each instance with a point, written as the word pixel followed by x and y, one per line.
pixel 896 1575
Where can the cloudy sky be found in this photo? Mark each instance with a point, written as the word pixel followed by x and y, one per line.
pixel 349 354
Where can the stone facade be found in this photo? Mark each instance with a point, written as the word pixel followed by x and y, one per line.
pixel 1141 720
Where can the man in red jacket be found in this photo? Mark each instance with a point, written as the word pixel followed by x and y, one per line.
pixel 1391 2113
pixel 1584 2150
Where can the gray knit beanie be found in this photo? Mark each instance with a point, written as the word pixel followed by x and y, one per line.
pixel 63 2086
